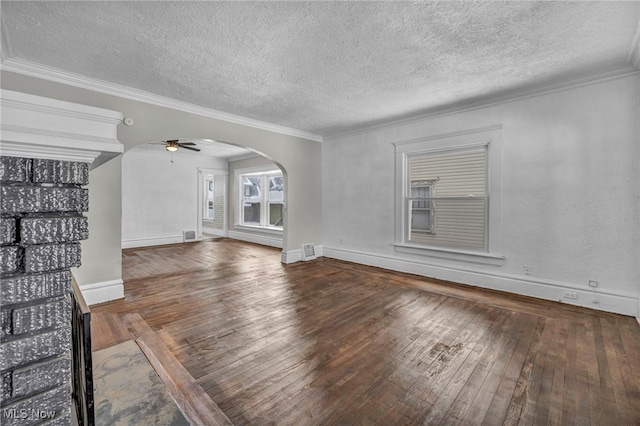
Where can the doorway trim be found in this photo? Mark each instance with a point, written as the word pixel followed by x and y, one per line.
pixel 216 173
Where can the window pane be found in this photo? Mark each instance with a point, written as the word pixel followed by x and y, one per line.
pixel 252 199
pixel 421 217
pixel 453 184
pixel 276 189
pixel 458 173
pixel 275 214
pixel 459 222
pixel 209 198
pixel 276 198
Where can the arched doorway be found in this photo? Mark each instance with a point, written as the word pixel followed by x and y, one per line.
pixel 172 196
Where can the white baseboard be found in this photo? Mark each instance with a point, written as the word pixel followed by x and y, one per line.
pixel 616 302
pixel 292 256
pixel 152 241
pixel 256 238
pixel 212 231
pixel 102 292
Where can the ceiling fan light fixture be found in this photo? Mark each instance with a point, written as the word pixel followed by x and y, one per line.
pixel 171 148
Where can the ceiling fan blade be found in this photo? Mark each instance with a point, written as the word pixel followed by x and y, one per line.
pixel 186 143
pixel 158 143
pixel 192 149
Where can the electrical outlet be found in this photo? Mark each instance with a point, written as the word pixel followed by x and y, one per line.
pixel 526 269
pixel 570 295
pixel 593 283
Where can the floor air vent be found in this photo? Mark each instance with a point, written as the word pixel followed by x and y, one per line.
pixel 189 236
pixel 308 252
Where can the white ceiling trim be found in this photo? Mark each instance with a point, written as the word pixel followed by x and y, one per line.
pixel 44 72
pixel 496 100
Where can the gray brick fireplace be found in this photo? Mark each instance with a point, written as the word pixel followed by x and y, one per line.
pixel 44 168
pixel 42 205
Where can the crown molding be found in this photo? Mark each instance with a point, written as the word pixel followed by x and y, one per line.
pixel 32 69
pixel 493 100
pixel 634 53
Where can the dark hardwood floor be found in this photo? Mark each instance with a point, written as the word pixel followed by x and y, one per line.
pixel 331 342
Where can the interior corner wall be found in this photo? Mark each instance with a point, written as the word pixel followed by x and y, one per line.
pixel 160 195
pixel 570 180
pixel 100 274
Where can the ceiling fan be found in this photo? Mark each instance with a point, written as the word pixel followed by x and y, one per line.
pixel 173 145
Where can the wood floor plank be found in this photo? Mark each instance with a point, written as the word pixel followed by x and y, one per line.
pixel 523 383
pixel 541 404
pixel 428 360
pixel 597 401
pixel 482 400
pixel 107 330
pixel 333 342
pixel 613 381
pixel 507 392
pixel 559 376
pixel 572 387
pixel 403 343
pixel 536 390
pixel 463 367
pixel 481 369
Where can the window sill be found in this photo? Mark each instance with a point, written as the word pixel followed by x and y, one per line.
pixel 452 254
pixel 261 229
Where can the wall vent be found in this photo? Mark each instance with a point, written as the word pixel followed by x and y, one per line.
pixel 308 252
pixel 189 236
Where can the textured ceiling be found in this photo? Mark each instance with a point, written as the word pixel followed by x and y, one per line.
pixel 324 67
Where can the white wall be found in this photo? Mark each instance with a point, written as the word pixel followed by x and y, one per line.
pixel 570 195
pixel 160 198
pixel 100 275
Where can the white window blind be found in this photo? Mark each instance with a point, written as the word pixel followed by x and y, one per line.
pixel 458 198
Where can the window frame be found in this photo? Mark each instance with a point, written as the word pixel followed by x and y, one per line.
pixel 209 182
pixel 265 175
pixel 221 177
pixel 489 137
pixel 428 200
